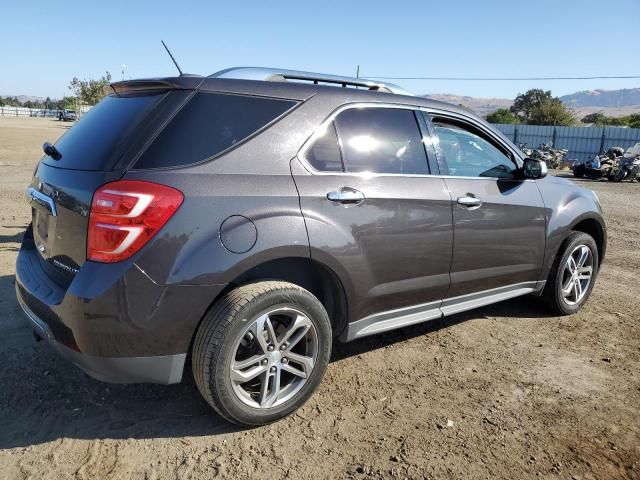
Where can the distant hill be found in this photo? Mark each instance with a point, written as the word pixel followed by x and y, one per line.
pixel 613 103
pixel 481 106
pixel 626 97
pixel 26 98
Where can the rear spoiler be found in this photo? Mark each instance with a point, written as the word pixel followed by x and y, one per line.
pixel 184 82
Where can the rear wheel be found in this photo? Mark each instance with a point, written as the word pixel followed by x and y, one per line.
pixel 261 351
pixel 578 171
pixel 620 175
pixel 573 274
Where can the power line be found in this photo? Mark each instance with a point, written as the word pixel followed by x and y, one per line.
pixel 498 79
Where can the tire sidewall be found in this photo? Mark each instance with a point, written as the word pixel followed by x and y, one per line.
pixel 294 298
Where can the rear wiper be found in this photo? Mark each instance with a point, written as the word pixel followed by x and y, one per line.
pixel 51 150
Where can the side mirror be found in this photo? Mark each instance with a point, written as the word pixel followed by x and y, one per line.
pixel 534 169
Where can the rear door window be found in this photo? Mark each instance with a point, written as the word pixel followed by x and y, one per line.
pixel 210 124
pixel 381 140
pixel 104 130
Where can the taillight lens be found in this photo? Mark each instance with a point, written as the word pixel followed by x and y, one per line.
pixel 125 215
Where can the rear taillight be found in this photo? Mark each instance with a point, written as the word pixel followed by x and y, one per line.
pixel 125 215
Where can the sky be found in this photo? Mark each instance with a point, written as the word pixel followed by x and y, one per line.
pixel 47 43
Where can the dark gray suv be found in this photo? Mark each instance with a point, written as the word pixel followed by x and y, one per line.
pixel 247 219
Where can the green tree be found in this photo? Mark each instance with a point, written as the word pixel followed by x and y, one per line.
pixel 552 111
pixel 634 120
pixel 502 115
pixel 525 103
pixel 90 91
pixel 597 118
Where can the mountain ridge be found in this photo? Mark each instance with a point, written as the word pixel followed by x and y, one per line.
pixel 613 103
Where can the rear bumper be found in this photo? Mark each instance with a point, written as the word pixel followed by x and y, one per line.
pixel 164 369
pixel 112 320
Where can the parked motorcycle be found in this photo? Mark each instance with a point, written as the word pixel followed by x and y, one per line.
pixel 629 165
pixel 605 165
pixel 525 149
pixel 629 169
pixel 553 157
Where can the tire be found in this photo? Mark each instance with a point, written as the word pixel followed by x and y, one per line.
pixel 552 295
pixel 232 327
pixel 578 171
pixel 620 175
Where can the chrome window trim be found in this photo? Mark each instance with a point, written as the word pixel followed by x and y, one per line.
pixel 306 146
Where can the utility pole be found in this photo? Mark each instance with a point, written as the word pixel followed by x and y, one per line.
pixel 358 72
pixel 123 69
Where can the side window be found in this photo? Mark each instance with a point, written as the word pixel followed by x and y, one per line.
pixel 208 125
pixel 381 140
pixel 467 154
pixel 325 155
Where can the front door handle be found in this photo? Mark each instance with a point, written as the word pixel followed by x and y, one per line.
pixel 470 201
pixel 346 196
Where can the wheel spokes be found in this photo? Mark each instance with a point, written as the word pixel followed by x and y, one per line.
pixel 240 372
pixel 583 256
pixel 305 362
pixel 270 388
pixel 566 289
pixel 261 327
pixel 295 332
pixel 293 370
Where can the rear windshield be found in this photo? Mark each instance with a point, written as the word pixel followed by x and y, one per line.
pixel 210 124
pixel 91 143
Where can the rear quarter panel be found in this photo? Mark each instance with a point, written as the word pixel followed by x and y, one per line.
pixel 252 180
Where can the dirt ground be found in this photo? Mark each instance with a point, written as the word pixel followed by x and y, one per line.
pixel 506 391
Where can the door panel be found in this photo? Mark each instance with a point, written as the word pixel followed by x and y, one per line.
pixel 498 218
pixel 499 243
pixel 394 247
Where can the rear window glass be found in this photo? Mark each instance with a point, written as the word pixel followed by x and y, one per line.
pixel 91 142
pixel 208 125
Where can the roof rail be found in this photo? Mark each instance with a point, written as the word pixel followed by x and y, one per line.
pixel 282 75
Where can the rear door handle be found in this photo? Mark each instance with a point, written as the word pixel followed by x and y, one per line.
pixel 346 196
pixel 470 201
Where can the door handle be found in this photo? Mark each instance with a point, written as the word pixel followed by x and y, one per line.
pixel 470 201
pixel 346 196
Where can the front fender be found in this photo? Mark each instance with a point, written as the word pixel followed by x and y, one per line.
pixel 567 206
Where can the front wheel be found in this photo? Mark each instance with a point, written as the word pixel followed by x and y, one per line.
pixel 261 351
pixel 572 275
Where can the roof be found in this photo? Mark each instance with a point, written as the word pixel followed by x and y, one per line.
pixel 291 84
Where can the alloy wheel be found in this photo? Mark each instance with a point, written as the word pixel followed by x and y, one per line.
pixel 274 357
pixel 577 274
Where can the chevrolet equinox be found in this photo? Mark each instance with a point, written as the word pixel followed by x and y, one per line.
pixel 248 218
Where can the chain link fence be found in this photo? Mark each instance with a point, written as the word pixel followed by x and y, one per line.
pixel 7 111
